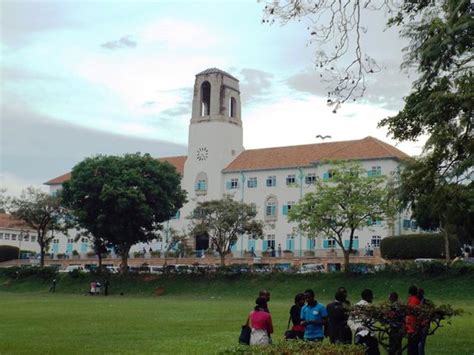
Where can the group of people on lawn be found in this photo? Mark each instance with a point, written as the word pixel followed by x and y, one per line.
pixel 313 321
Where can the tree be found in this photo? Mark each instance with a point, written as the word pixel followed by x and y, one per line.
pixel 123 199
pixel 343 205
pixel 99 245
pixel 170 239
pixel 386 318
pixel 42 212
pixel 435 202
pixel 224 221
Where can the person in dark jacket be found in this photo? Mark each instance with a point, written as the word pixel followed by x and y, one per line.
pixel 295 316
pixel 339 331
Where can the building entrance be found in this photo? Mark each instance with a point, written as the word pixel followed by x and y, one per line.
pixel 202 243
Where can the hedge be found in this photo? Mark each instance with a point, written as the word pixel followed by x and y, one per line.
pixel 8 252
pixel 413 246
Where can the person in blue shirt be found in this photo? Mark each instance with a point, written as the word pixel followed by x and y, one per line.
pixel 314 317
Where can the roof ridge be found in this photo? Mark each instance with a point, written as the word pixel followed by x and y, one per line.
pixel 302 145
pixel 387 147
pixel 355 141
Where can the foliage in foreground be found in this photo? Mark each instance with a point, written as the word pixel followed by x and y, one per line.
pixel 296 347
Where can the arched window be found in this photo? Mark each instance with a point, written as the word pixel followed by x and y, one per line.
pixel 232 107
pixel 271 208
pixel 200 185
pixel 205 98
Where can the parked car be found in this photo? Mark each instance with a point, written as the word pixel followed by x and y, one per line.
pixel 112 269
pixel 311 268
pixel 156 269
pixel 71 268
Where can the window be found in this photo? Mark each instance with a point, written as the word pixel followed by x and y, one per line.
pixel 286 208
pixel 270 240
pixel 373 222
pixel 232 107
pixel 13 236
pixel 26 238
pixel 271 205
pixel 310 179
pixel 252 182
pixel 33 238
pixel 177 215
pixel 205 98
pixel 290 242
pixel 20 237
pixel 1 235
pixel 70 241
pixel 271 181
pixel 311 244
pixel 7 236
pixel 375 171
pixel 375 242
pixel 232 184
pixel 291 179
pixel 84 240
pixel 329 243
pixel 56 241
pixel 201 185
pixel 406 224
pixel 328 176
pixel 414 225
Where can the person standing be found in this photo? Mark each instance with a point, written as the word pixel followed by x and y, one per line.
pixel 410 321
pixel 106 287
pixel 395 333
pixel 363 335
pixel 313 317
pixel 266 295
pixel 424 326
pixel 295 317
pixel 261 323
pixel 92 289
pixel 53 286
pixel 279 250
pixel 339 331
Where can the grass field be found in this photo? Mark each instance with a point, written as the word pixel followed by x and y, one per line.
pixel 195 315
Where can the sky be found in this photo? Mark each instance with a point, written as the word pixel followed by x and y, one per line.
pixel 80 78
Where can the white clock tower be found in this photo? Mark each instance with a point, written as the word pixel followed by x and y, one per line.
pixel 215 134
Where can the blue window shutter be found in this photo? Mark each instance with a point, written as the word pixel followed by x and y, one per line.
pixel 274 182
pixel 355 244
pixel 233 247
pixel 228 185
pixel 285 210
pixel 369 173
pixel 292 246
pixel 308 244
pixel 288 242
pixel 264 245
pixel 325 176
pixel 273 210
pixel 178 214
pixel 346 244
pixel 326 244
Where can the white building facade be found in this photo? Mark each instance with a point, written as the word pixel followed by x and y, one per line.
pixel 273 179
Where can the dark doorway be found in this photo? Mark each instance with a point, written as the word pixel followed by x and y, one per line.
pixel 202 242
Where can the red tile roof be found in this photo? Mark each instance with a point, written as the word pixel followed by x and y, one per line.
pixel 10 222
pixel 308 154
pixel 178 163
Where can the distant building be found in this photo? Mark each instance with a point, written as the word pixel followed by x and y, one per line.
pixel 16 233
pixel 273 179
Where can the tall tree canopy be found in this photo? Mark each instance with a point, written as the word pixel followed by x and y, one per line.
pixel 42 212
pixel 344 204
pixel 123 199
pixel 224 221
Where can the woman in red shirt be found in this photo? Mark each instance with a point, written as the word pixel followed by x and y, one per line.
pixel 261 323
pixel 411 326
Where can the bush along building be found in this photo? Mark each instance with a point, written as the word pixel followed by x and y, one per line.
pixel 273 179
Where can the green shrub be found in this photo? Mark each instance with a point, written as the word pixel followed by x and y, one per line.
pixel 23 272
pixel 296 347
pixel 8 252
pixel 415 246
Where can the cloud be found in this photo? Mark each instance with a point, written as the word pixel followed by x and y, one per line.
pixel 385 89
pixel 35 148
pixel 124 42
pixel 255 85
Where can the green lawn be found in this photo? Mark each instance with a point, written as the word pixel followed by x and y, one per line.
pixel 195 315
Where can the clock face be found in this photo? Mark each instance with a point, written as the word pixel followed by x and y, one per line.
pixel 202 154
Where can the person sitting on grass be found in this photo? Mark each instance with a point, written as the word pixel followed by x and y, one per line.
pixel 261 323
pixel 313 318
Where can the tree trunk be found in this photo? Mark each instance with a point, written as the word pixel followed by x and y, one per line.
pixel 41 255
pixel 99 255
pixel 124 263
pixel 346 260
pixel 446 242
pixel 222 259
